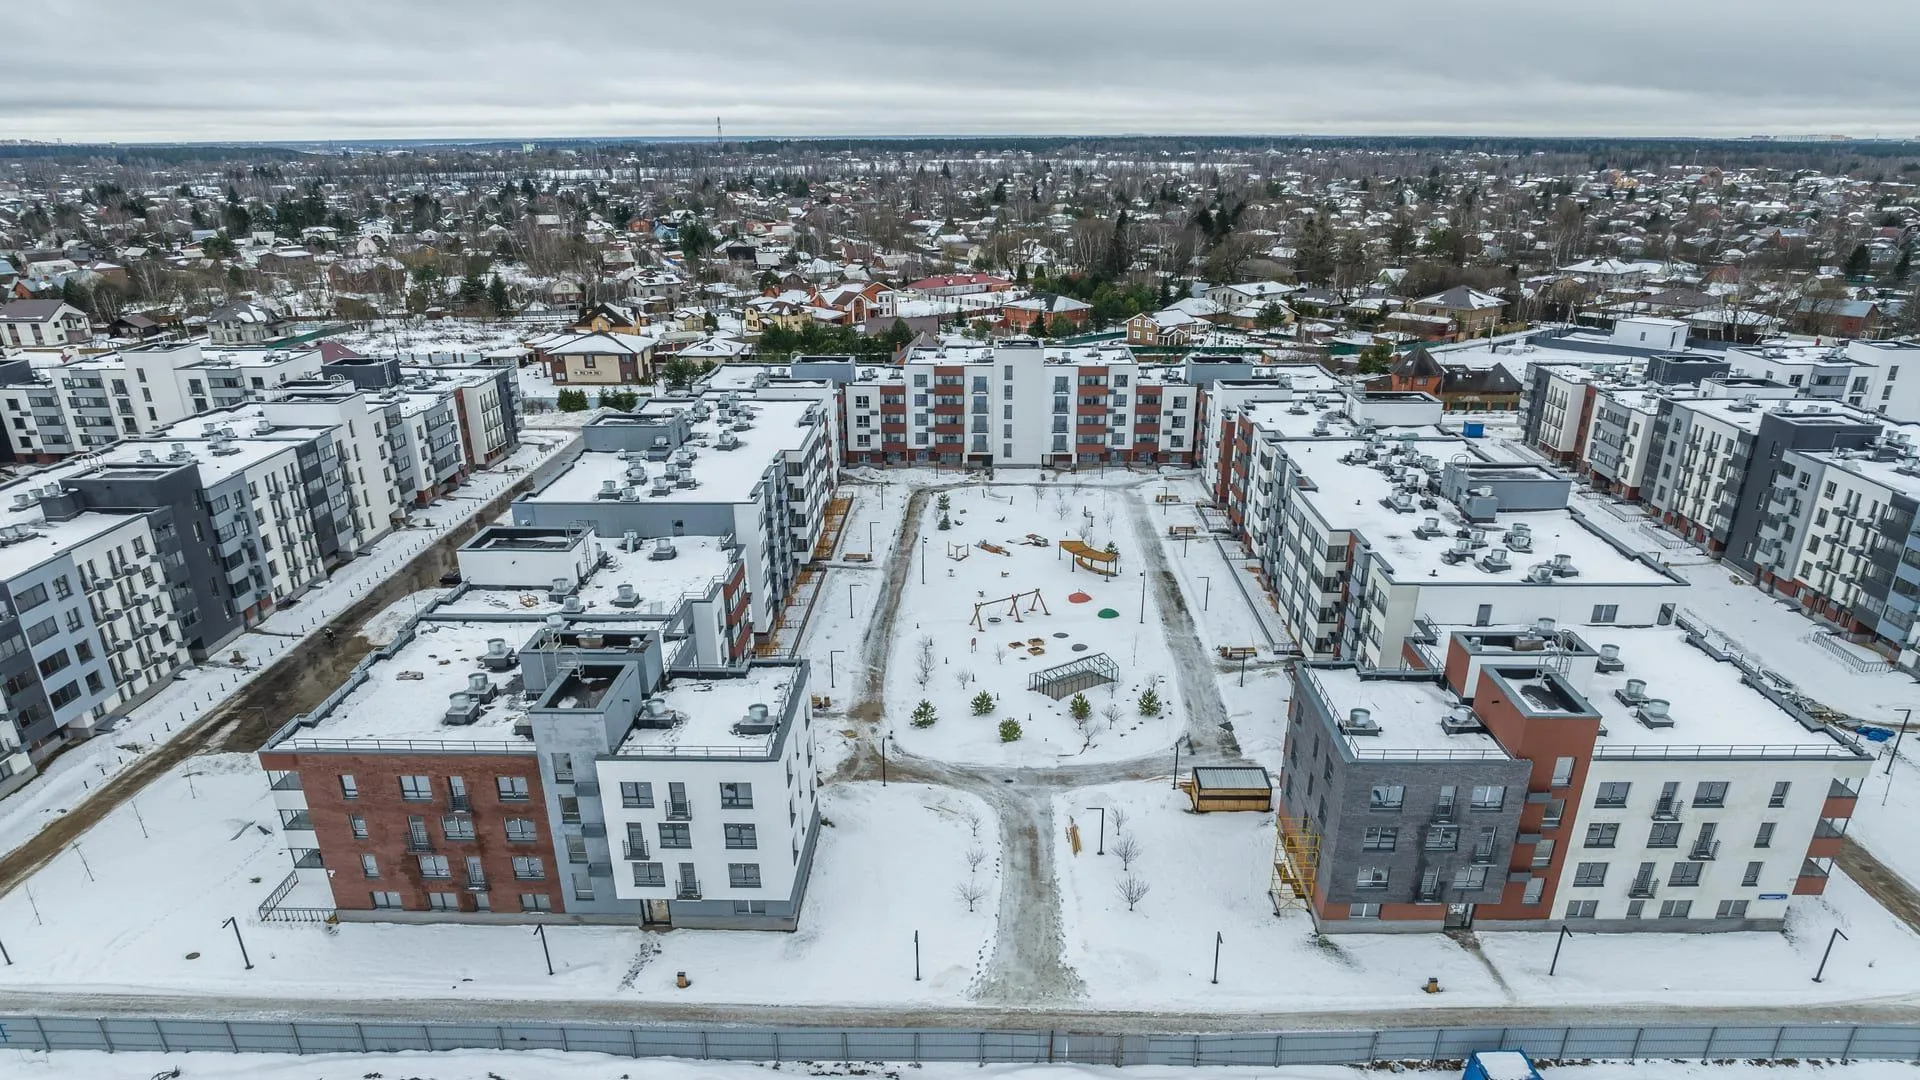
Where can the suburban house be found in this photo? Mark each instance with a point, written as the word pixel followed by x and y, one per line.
pixel 41 324
pixel 245 323
pixel 1048 310
pixel 1471 310
pixel 597 359
pixel 1460 387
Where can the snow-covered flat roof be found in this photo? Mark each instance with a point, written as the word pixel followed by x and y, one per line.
pixel 1710 703
pixel 706 711
pixel 406 696
pixel 1281 418
pixel 659 585
pixel 1407 711
pixel 722 476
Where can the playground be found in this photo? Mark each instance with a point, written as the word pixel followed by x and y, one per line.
pixel 1030 607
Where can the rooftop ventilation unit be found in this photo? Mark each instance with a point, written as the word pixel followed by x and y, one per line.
pixel 558 589
pixel 663 549
pixel 1540 574
pixel 1320 428
pixel 654 714
pixel 758 721
pixel 1633 693
pixel 22 500
pixel 1563 566
pixel 671 472
pixel 686 479
pixel 1359 722
pixel 609 489
pixel 1610 659
pixel 661 486
pixel 629 494
pixel 498 657
pixel 1460 720
pixel 179 452
pixel 683 457
pixel 636 472
pixel 630 540
pixel 1495 561
pixel 1461 552
pixel 727 441
pixel 146 455
pixel 1520 537
pixel 1653 713
pixel 626 597
pixel 1399 502
pixel 1545 627
pixel 572 606
pixel 1429 528
pixel 1297 409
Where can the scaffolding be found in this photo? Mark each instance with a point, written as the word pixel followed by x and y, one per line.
pixel 1075 676
pixel 1296 865
pixel 832 523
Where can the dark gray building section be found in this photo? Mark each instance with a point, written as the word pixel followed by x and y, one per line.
pixel 365 372
pixel 26 697
pixel 170 491
pixel 1479 488
pixel 1685 369
pixel 1328 786
pixel 1778 433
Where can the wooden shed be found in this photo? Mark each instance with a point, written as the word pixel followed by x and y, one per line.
pixel 1214 787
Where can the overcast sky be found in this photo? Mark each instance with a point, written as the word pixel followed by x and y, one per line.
pixel 133 70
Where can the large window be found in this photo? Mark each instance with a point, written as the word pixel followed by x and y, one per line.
pixel 676 834
pixel 1387 797
pixel 1371 877
pixel 1488 797
pixel 743 875
pixel 650 875
pixel 1590 875
pixel 529 868
pixel 1664 834
pixel 416 788
pixel 636 794
pixel 741 836
pixel 1380 838
pixel 520 830
pixel 1612 793
pixel 1602 834
pixel 511 788
pixel 1710 793
pixel 736 796
pixel 1685 873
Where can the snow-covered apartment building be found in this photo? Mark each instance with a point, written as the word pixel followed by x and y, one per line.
pixel 578 731
pixel 1367 521
pixel 1529 776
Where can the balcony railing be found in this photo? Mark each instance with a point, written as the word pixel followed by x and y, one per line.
pixel 638 852
pixel 1705 850
pixel 420 843
pixel 679 811
pixel 461 803
pixel 476 883
pixel 1643 888
pixel 1667 808
pixel 688 890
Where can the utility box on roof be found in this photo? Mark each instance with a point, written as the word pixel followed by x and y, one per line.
pixel 1500 1065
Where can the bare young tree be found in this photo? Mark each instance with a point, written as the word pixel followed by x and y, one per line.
pixel 1119 818
pixel 1060 507
pixel 924 663
pixel 1112 712
pixel 1127 847
pixel 1132 889
pixel 975 856
pixel 964 677
pixel 972 818
pixel 971 892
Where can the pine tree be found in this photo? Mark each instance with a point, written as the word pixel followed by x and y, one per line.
pixel 1080 707
pixel 497 299
pixel 1150 702
pixel 924 714
pixel 983 704
pixel 1009 730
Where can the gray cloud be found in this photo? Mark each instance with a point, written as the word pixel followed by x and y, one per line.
pixel 223 69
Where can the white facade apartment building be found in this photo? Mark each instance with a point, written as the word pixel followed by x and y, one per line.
pixel 77 406
pixel 1619 440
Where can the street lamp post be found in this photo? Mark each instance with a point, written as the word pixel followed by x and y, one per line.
pixel 1217 939
pixel 831 653
pixel 1207 596
pixel 1243 669
pixel 235 923
pixel 916 956
pixel 869 539
pixel 923 560
pixel 1557 942
pixel 883 758
pixel 1103 829
pixel 1823 956
pixel 1906 715
pixel 1143 597
pixel 540 932
pixel 851 585
pixel 1188 739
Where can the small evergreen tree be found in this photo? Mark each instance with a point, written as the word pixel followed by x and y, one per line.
pixel 983 704
pixel 572 401
pixel 1080 707
pixel 1009 730
pixel 944 503
pixel 945 523
pixel 497 298
pixel 1150 702
pixel 924 714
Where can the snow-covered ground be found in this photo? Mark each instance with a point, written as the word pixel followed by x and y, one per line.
pixel 557 1065
pixel 1209 873
pixel 998 654
pixel 71 777
pixel 118 913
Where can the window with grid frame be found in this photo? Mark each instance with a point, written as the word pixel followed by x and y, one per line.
pixel 743 875
pixel 529 868
pixel 416 788
pixel 521 830
pixel 1602 834
pixel 1590 875
pixel 1582 909
pixel 650 875
pixel 636 794
pixel 741 837
pixel 1731 909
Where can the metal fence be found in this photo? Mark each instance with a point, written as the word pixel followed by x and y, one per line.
pixel 1756 1042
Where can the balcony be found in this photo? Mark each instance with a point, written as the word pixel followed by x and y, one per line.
pixel 1667 808
pixel 1705 851
pixel 687 890
pixel 1643 888
pixel 679 811
pixel 289 781
pixel 637 852
pixel 420 843
pixel 460 803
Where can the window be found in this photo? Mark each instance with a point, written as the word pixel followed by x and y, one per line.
pixel 457 827
pixel 1387 797
pixel 65 696
pixel 1562 771
pixel 1779 796
pixel 434 866
pixel 358 826
pixel 1664 834
pixel 675 834
pixel 576 849
pixel 529 868
pixel 736 796
pixel 1380 838
pixel 562 767
pixel 636 794
pixel 1602 834
pixel 1582 909
pixel 1488 797
pixel 1443 838
pixel 349 787
pixel 42 630
pixel 1612 793
pixel 1363 911
pixel 443 901
pixel 582 887
pixel 1675 909
pixel 28 599
pixel 1710 793
pixel 1371 877
pixel 1731 909
pixel 743 875
pixel 511 788
pixel 1764 838
pixel 1543 852
pixel 1536 891
pixel 741 836
pixel 1751 878
pixel 386 901
pixel 55 662
pixel 533 901
pixel 650 875
pixel 520 830
pixel 1590 874
pixel 1470 877
pixel 416 788
pixel 1605 613
pixel 569 810
pixel 370 866
pixel 1685 874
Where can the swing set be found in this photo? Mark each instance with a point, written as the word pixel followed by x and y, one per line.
pixel 1031 597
